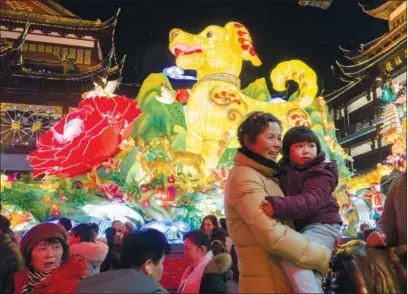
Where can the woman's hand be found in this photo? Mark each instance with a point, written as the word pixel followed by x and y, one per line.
pixel 376 239
pixel 267 208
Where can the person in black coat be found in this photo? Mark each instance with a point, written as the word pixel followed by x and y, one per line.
pixel 11 260
pixel 215 276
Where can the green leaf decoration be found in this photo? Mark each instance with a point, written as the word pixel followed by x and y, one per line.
pixel 257 90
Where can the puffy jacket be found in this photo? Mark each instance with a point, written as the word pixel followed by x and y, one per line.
pixel 120 281
pixel 94 253
pixel 260 241
pixel 215 276
pixel 308 192
pixel 63 280
pixel 393 221
pixel 11 262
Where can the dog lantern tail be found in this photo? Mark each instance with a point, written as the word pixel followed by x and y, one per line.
pixel 299 72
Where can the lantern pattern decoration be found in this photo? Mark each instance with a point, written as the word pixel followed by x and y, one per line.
pixel 86 137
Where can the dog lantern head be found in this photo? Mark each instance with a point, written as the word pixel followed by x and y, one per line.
pixel 215 50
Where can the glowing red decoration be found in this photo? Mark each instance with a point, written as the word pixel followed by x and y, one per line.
pixel 182 96
pixel 86 137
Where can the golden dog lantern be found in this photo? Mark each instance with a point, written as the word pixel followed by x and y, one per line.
pixel 217 106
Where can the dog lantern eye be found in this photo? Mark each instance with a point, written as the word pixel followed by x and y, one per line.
pixel 210 34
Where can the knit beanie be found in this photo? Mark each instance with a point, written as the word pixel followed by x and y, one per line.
pixel 40 233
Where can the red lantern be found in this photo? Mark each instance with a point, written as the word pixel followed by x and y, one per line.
pixel 171 193
pixel 182 96
pixel 171 180
pixel 62 197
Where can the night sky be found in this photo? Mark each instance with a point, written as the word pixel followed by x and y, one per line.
pixel 281 29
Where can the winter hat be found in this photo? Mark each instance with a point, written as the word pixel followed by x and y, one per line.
pixel 39 233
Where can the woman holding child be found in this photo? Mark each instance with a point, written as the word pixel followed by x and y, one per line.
pixel 262 241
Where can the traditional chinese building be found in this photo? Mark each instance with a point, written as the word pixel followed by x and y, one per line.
pixel 324 4
pixel 49 57
pixel 376 76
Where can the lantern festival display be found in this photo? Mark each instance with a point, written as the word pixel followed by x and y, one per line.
pixel 164 157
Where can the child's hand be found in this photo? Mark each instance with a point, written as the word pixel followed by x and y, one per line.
pixel 267 208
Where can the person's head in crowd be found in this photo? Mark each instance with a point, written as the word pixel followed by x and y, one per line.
pixel 95 228
pixel 260 133
pixel 82 233
pixel 210 223
pixel 220 235
pixel 44 247
pixel 109 234
pixel 145 251
pixel 65 223
pixel 300 145
pixel 117 225
pixel 4 225
pixel 196 244
pixel 223 223
pixel 128 227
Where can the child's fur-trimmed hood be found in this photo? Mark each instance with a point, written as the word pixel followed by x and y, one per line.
pixel 219 264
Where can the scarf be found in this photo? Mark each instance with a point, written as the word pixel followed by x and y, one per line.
pixel 191 280
pixel 34 278
pixel 260 159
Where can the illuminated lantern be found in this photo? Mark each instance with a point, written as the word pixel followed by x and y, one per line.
pixel 217 105
pixel 145 204
pixel 5 183
pixel 161 193
pixel 86 137
pixel 127 197
pixel 145 188
pixel 171 193
pixel 111 191
pixel 182 96
pixel 171 179
pixel 46 199
pixel 55 209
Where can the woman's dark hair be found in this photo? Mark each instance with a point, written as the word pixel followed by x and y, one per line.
pixel 65 252
pixel 296 135
pixel 140 246
pixel 95 228
pixel 85 232
pixel 254 124
pixel 4 225
pixel 109 234
pixel 220 235
pixel 223 223
pixel 213 220
pixel 66 223
pixel 198 238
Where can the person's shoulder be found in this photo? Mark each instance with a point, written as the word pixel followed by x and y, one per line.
pixel 219 264
pixel 327 166
pixel 242 172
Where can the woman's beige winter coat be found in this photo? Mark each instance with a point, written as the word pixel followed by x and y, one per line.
pixel 261 242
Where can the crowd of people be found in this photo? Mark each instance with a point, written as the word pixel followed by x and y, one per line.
pixel 282 224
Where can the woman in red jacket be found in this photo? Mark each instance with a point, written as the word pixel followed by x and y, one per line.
pixel 49 267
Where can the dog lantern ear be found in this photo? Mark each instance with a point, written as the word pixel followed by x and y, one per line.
pixel 241 42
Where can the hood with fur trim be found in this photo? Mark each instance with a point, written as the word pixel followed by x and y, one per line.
pixel 92 252
pixel 219 264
